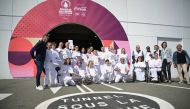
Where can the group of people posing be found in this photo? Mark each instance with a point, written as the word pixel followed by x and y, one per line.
pixel 156 66
pixel 63 66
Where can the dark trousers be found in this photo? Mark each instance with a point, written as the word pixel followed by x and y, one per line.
pixel 160 79
pixel 40 68
pixel 147 75
pixel 166 67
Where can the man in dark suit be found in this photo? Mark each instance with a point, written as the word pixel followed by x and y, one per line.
pixel 38 53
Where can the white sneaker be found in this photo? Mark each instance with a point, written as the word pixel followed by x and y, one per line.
pixel 180 82
pixel 102 82
pixel 39 88
pixel 124 81
pixel 65 84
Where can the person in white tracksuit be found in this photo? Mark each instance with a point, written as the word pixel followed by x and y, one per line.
pixel 89 54
pixel 57 61
pixel 93 71
pixel 60 47
pixel 124 55
pixel 107 72
pixel 49 78
pixel 95 58
pixel 84 56
pixel 60 50
pixel 68 73
pixel 76 54
pixel 140 69
pixel 102 56
pixel 112 56
pixel 66 51
pixel 155 68
pixel 121 71
pixel 80 69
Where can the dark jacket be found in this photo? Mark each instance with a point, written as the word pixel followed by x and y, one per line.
pixel 186 57
pixel 40 49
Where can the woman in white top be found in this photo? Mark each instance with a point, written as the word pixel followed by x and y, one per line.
pixel 124 55
pixel 122 70
pixel 107 72
pixel 148 55
pixel 89 53
pixel 68 73
pixel 60 50
pixel 75 55
pixel 84 56
pixel 81 70
pixel 155 68
pixel 95 58
pixel 49 69
pixel 66 51
pixel 140 69
pixel 57 62
pixel 112 56
pixel 102 55
pixel 92 70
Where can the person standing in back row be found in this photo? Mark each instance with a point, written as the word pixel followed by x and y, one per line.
pixel 38 53
pixel 135 54
pixel 166 56
pixel 157 50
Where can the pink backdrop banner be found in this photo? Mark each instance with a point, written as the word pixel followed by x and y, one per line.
pixel 52 13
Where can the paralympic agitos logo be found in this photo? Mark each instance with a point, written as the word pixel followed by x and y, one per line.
pixel 105 100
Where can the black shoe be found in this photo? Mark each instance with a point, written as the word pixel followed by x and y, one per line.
pixel 46 87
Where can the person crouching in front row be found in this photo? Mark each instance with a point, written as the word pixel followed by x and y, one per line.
pixel 107 72
pixel 122 70
pixel 93 71
pixel 68 73
pixel 80 72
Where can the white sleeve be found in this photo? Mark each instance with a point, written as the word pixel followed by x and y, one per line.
pixel 136 65
pixel 70 69
pixel 160 63
pixel 87 71
pixel 116 66
pixel 151 63
pixel 126 66
pixel 64 54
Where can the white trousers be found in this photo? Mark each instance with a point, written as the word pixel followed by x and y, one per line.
pixel 98 69
pixel 107 76
pixel 51 75
pixel 154 74
pixel 68 80
pixel 120 76
pixel 96 78
pixel 140 75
